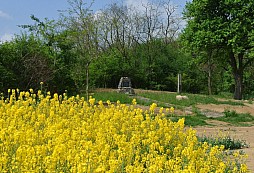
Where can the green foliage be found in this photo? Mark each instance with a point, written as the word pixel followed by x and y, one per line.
pixel 210 20
pixel 61 54
pixel 208 30
pixel 26 62
pixel 248 81
pixel 8 66
pixel 107 70
pixel 227 141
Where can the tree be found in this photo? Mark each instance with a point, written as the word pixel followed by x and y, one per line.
pixel 116 28
pixel 80 21
pixel 8 66
pixel 53 39
pixel 24 63
pixel 226 26
pixel 34 60
pixel 139 40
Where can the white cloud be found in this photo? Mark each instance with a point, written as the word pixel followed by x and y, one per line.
pixel 138 4
pixel 4 15
pixel 6 37
pixel 98 14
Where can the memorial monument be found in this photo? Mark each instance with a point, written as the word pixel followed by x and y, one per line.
pixel 124 86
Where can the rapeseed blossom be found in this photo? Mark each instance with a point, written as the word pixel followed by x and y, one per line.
pixel 67 134
pixel 172 109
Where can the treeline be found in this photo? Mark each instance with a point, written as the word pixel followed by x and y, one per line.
pixel 83 50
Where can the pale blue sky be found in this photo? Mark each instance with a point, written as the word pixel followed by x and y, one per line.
pixel 17 12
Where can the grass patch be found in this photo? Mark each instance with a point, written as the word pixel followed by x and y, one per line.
pixel 145 102
pixel 123 98
pixel 113 97
pixel 237 119
pixel 192 120
pixel 193 99
pixel 225 95
pixel 165 99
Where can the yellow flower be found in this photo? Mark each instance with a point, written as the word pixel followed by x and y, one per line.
pixel 152 107
pixel 172 110
pixel 71 134
pixel 91 100
pixel 134 101
pixel 244 168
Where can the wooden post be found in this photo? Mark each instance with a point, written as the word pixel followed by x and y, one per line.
pixel 179 83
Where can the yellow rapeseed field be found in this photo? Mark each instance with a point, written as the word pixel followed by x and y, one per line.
pixel 67 134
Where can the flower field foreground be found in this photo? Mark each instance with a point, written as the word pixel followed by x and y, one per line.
pixel 59 134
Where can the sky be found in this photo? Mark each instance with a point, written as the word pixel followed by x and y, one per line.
pixel 18 12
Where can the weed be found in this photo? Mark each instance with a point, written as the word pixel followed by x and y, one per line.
pixel 226 141
pixel 236 118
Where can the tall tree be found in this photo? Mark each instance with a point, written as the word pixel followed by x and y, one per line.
pixel 225 25
pixel 157 25
pixel 138 37
pixel 81 22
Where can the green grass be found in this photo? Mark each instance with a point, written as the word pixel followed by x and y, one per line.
pixel 193 99
pixel 191 120
pixel 123 98
pixel 113 97
pixel 146 102
pixel 165 99
pixel 237 119
pixel 225 95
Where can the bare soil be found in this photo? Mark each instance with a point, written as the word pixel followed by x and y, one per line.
pixel 247 108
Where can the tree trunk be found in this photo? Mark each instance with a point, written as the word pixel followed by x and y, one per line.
pixel 238 76
pixel 87 81
pixel 237 70
pixel 209 82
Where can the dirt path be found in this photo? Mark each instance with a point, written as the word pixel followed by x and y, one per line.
pixel 246 108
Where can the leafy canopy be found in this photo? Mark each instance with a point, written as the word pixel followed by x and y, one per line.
pixel 226 24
